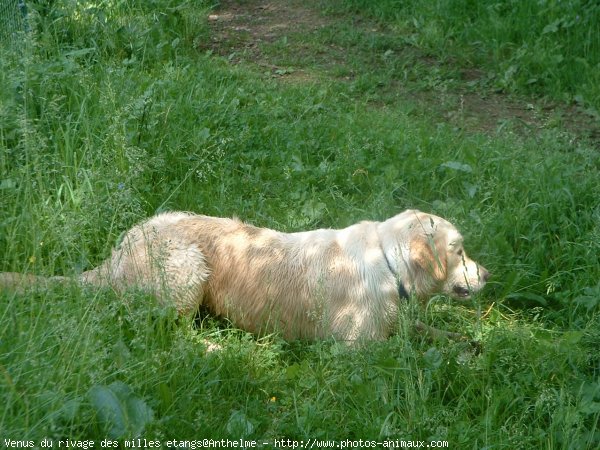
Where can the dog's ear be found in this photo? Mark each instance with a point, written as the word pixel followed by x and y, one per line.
pixel 429 255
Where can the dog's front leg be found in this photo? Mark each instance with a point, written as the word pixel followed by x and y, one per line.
pixel 437 334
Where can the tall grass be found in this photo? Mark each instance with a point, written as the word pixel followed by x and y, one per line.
pixel 99 129
pixel 547 47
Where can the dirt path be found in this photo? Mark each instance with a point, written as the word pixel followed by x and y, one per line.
pixel 241 29
pixel 284 39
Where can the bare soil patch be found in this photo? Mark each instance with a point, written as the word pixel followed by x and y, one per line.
pixel 241 28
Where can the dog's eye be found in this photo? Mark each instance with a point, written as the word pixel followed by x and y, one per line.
pixel 460 252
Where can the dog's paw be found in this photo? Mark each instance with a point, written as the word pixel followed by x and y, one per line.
pixel 211 346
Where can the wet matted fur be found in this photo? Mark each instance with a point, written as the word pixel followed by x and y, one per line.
pixel 346 283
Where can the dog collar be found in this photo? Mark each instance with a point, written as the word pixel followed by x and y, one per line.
pixel 402 293
pixel 401 290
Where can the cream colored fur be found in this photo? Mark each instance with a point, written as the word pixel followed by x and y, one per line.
pixel 308 285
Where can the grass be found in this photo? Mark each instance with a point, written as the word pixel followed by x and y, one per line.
pixel 111 113
pixel 550 47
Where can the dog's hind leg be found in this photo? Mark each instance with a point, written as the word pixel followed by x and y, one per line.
pixel 183 277
pixel 163 264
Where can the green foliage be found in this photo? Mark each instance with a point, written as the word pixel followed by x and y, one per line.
pixel 110 113
pixel 549 47
pixel 119 410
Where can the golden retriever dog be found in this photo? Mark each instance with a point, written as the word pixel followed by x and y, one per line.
pixel 346 283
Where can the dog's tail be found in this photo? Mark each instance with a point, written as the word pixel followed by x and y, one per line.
pixel 21 282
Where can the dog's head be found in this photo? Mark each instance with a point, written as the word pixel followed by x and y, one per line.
pixel 428 256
